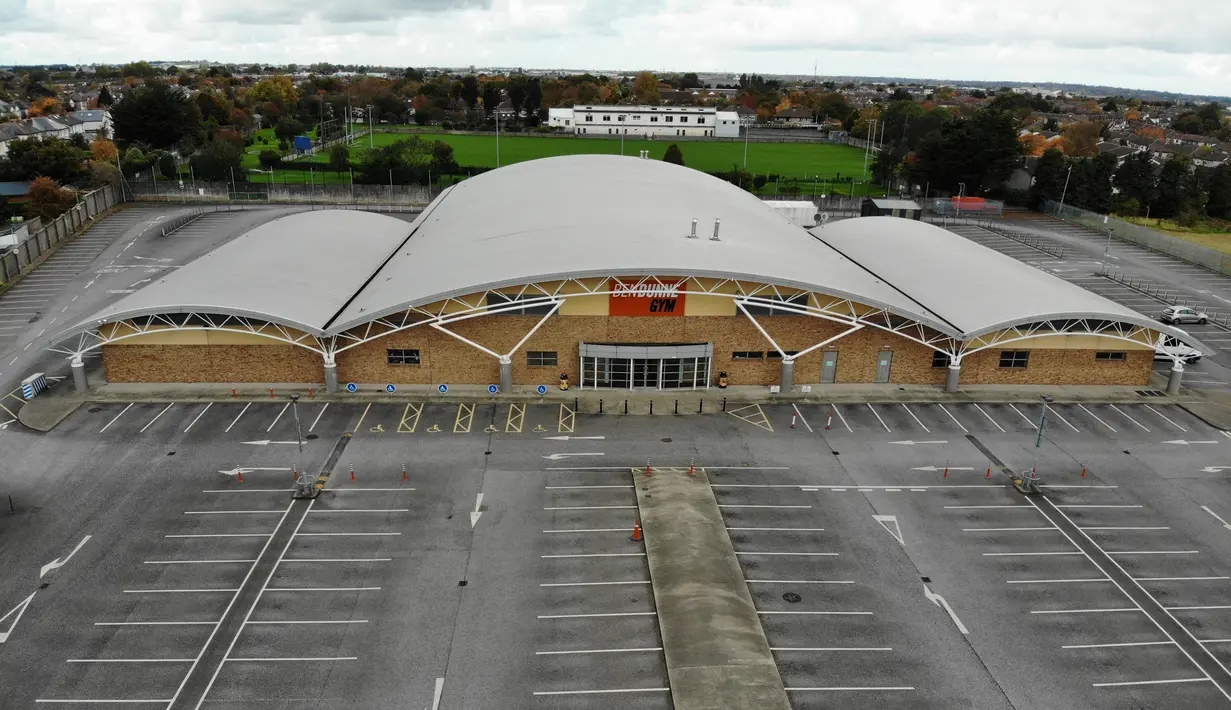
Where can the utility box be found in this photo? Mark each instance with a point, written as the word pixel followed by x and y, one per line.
pixel 32 385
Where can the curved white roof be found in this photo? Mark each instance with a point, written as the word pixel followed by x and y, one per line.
pixel 593 215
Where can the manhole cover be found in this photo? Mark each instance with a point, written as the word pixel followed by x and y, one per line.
pixel 792 598
pixel 835 453
pixel 170 453
pixel 667 440
pixel 95 409
pixel 310 437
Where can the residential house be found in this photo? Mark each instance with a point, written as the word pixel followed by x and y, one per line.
pixel 94 122
pixel 9 110
pixel 1191 139
pixel 794 116
pixel 747 116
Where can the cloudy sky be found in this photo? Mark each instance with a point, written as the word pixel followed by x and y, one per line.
pixel 1176 45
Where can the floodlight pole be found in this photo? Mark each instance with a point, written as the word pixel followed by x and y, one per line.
pixel 371 140
pixel 1065 191
pixel 747 130
pixel 298 429
pixel 497 134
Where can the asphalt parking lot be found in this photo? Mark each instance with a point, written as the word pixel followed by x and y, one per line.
pixel 887 568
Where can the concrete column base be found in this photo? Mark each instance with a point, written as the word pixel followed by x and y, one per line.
pixel 787 376
pixel 951 378
pixel 506 376
pixel 331 377
pixel 1173 379
pixel 79 381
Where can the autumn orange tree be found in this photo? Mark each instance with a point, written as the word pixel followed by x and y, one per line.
pixel 103 150
pixel 1080 139
pixel 48 200
pixel 46 106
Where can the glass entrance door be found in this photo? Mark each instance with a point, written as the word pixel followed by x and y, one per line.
pixel 645 372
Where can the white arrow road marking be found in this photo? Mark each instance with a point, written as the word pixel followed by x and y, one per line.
pixel 912 443
pixel 1215 469
pixel 57 563
pixel 1224 523
pixel 1182 442
pixel 18 610
pixel 267 442
pixel 557 457
pixel 244 469
pixel 566 437
pixel 933 469
pixel 895 531
pixel 940 602
pixel 474 515
pixel 139 283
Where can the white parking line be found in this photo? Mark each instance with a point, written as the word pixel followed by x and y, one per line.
pixel 1154 552
pixel 318 417
pixel 237 416
pixel 155 623
pixel 113 420
pixel 912 416
pixel 791 554
pixel 226 534
pixel 280 412
pixel 955 421
pixel 128 660
pixel 1126 527
pixel 1126 416
pixel 1087 611
pixel 349 534
pixel 1197 608
pixel 601 692
pixel 360 510
pixel 799 581
pixel 179 591
pixel 588 530
pixel 1024 417
pixel 1053 527
pixel 815 613
pixel 841 418
pixel 1029 554
pixel 195 562
pixel 1078 507
pixel 1121 645
pixel 594 554
pixel 878 418
pixel 151 422
pixel 597 650
pixel 1178 579
pixel 288 660
pixel 1152 682
pixel 1056 581
pixel 322 589
pixel 194 421
pixel 592 507
pixel 597 616
pixel 1061 418
pixel 877 688
pixel 781 529
pixel 989 417
pixel 1096 417
pixel 573 488
pixel 591 584
pixel 232 512
pixel 850 648
pixel 732 505
pixel 313 621
pixel 1160 414
pixel 802 418
pixel 982 507
pixel 56 701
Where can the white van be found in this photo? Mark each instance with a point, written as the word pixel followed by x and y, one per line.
pixel 1168 349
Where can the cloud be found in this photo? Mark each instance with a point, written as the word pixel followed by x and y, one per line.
pixel 1180 45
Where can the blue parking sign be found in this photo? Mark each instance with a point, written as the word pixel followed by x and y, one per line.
pixel 492 389
pixel 351 387
pixel 542 389
pixel 443 389
pixel 390 389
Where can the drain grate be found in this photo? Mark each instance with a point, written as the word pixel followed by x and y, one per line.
pixel 792 598
pixel 1151 393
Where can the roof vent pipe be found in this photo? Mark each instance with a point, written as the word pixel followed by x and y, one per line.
pixel 717 223
pixel 693 235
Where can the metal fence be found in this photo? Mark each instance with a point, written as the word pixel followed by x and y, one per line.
pixel 1142 236
pixel 947 206
pixel 20 259
pixel 376 196
pixel 1170 296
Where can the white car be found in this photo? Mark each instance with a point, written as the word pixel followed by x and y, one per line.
pixel 1182 314
pixel 1169 349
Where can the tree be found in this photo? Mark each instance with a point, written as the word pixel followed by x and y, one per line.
pixel 157 115
pixel 270 159
pixel 980 151
pixel 287 128
pixel 166 166
pixel 470 90
pixel 216 161
pixel 48 200
pixel 404 162
pixel 1110 106
pixel 103 150
pixel 900 94
pixel 214 106
pixel 645 88
pixel 1091 186
pixel 517 95
pixel 339 158
pixel 1218 200
pixel 687 81
pixel 55 158
pixel 1176 188
pixel 46 106
pixel 759 181
pixel 277 89
pixel 534 95
pixel 674 155
pixel 104 97
pixel 134 162
pixel 1080 139
pixel 1049 176
pixel 1135 179
pixel 491 97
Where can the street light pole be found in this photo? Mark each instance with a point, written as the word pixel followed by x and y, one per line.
pixel 298 429
pixel 1065 191
pixel 746 131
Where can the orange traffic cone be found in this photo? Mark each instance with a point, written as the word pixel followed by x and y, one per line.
pixel 239 475
pixel 648 471
pixel 636 532
pixel 989 473
pixel 692 469
pixel 946 473
pixel 1083 471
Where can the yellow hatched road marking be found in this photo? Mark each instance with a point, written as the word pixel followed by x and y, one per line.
pixel 465 417
pixel 410 418
pixel 516 418
pixel 568 419
pixel 753 414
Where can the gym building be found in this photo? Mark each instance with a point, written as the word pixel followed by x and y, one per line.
pixel 619 273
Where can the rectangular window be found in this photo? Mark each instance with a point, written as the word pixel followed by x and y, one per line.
pixel 799 300
pixel 775 355
pixel 1014 359
pixel 747 355
pixel 1111 356
pixel 940 359
pixel 620 117
pixel 606 117
pixel 402 357
pixel 670 119
pixel 653 119
pixel 701 119
pixel 541 358
pixel 683 119
pixel 589 117
pixel 501 299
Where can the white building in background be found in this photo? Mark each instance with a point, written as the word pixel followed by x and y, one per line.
pixel 642 121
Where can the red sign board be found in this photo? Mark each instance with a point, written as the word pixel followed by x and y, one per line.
pixel 646 299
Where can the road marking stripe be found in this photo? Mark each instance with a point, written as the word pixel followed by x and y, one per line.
pixel 799 581
pixel 337 559
pixel 801 418
pixel 955 421
pixel 912 416
pixel 980 507
pixel 591 507
pixel 1177 426
pixel 194 562
pixel 1024 418
pixel 1096 417
pixel 313 621
pixel 1061 418
pixel 322 589
pixel 237 416
pixel 59 701
pixel 293 660
pixel 155 623
pixel 362 417
pixel 588 530
pixel 113 420
pixel 1179 579
pixel 1124 528
pixel 875 688
pixel 597 616
pixel 176 591
pixel 129 660
pixel 781 529
pixel 232 512
pixel 1029 554
pixel 600 692
pixel 1121 645
pixel 841 418
pixel 280 413
pixel 815 613
pixel 349 534
pixel 318 417
pixel 595 554
pixel 194 420
pixel 1056 581
pixel 1100 506
pixel 598 650
pixel 831 648
pixel 989 417
pixel 1151 682
pixel 151 423
pixel 791 554
pixel 1154 552
pixel 1126 416
pixel 359 510
pixel 591 584
pixel 572 488
pixel 732 505
pixel 1053 527
pixel 1197 608
pixel 878 418
pixel 1087 611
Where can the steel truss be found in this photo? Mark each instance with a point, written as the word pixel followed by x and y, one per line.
pixel 551 295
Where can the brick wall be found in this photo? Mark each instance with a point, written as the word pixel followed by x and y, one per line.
pixel 1059 367
pixel 214 363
